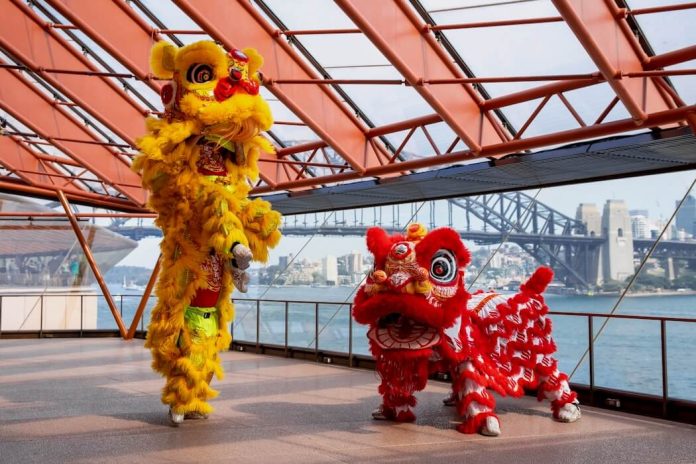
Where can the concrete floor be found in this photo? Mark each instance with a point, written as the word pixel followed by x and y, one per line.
pixel 96 400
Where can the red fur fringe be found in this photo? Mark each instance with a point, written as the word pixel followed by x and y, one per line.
pixel 474 424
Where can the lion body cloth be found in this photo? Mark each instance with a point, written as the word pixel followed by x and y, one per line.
pixel 422 320
pixel 197 161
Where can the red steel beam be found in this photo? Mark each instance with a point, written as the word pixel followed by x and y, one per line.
pixel 77 215
pixel 11 185
pixel 397 31
pixel 116 28
pixel 34 109
pixel 504 22
pixel 661 118
pixel 126 36
pixel 595 25
pixel 317 106
pixel 538 92
pixel 57 159
pixel 26 36
pixel 670 58
pixel 662 9
pixel 18 159
pixel 92 263
pixel 144 299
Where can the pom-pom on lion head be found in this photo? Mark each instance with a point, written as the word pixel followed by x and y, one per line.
pixel 210 85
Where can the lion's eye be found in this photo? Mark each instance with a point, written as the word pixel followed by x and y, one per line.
pixel 199 73
pixel 443 267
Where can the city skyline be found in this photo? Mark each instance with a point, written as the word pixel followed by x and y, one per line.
pixel 657 194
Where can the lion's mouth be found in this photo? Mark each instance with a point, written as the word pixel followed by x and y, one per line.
pixel 397 332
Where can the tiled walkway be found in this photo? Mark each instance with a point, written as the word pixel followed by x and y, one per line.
pixel 96 400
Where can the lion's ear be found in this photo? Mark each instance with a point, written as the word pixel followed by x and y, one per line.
pixel 255 61
pixel 162 60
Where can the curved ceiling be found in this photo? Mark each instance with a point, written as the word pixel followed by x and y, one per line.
pixel 360 89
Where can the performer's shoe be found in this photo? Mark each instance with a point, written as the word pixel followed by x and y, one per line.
pixel 398 414
pixel 491 427
pixel 195 415
pixel 382 413
pixel 404 414
pixel 451 400
pixel 174 418
pixel 570 412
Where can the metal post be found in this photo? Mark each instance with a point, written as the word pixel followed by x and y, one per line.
pixel 590 336
pixel 138 316
pixel 316 330
pixel 41 313
pixel 258 324
pixel 82 313
pixel 286 329
pixel 350 335
pixel 120 305
pixel 663 349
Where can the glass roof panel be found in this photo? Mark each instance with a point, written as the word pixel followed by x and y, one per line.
pixel 309 14
pixel 351 56
pixel 522 50
pixel 383 104
pixel 680 34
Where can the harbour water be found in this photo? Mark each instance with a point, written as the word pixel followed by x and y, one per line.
pixel 627 353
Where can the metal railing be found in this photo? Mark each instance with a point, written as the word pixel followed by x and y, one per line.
pixel 590 317
pixel 40 303
pixel 289 349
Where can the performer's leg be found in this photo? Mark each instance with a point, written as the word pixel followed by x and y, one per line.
pixel 187 390
pixel 474 403
pixel 400 379
pixel 553 385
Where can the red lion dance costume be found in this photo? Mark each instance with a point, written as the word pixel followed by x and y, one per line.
pixel 198 161
pixel 422 320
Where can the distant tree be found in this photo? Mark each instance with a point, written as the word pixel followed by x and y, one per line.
pixel 611 286
pixel 317 278
pixel 651 281
pixel 685 281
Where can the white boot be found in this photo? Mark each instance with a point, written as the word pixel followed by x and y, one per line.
pixel 570 412
pixel 491 428
pixel 174 418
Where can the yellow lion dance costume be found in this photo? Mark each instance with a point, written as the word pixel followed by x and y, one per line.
pixel 196 161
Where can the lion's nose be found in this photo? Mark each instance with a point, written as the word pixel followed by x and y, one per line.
pixel 235 74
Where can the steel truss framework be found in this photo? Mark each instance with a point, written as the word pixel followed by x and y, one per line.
pixel 76 86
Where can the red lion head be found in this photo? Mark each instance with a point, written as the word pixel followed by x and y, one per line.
pixel 416 288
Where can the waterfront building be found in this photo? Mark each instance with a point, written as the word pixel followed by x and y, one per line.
pixel 617 252
pixel 329 270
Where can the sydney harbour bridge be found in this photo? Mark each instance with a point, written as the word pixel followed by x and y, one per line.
pixel 549 236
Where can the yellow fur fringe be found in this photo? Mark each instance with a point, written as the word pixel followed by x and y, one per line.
pixel 198 213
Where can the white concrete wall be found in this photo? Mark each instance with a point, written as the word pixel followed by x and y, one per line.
pixel 23 309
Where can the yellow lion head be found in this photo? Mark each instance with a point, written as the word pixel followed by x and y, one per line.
pixel 209 85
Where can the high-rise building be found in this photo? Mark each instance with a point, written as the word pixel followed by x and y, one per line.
pixel 588 214
pixel 617 252
pixel 283 261
pixel 686 217
pixel 638 212
pixel 355 264
pixel 329 270
pixel 640 226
